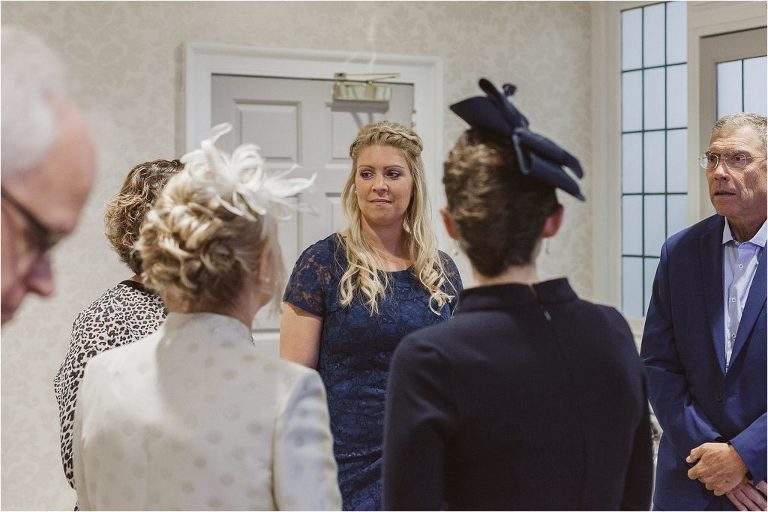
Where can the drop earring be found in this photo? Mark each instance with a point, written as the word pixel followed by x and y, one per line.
pixel 546 246
pixel 455 251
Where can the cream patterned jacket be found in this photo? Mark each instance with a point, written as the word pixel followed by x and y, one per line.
pixel 195 417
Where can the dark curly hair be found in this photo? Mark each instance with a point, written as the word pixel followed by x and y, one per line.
pixel 498 212
pixel 125 212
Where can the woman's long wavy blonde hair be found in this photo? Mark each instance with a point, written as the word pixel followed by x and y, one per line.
pixel 363 275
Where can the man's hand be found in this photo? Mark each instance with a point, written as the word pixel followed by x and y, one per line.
pixel 748 496
pixel 718 466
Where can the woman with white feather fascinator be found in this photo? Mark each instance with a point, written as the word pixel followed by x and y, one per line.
pixel 194 416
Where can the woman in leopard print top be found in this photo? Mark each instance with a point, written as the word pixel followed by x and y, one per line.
pixel 123 314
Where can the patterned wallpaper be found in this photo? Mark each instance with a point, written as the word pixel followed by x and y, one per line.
pixel 126 58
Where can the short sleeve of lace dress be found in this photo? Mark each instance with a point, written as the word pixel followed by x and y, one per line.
pixel 308 286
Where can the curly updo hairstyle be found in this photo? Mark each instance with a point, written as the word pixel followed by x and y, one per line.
pixel 498 212
pixel 198 254
pixel 125 212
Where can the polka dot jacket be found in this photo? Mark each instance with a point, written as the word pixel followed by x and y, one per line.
pixel 196 417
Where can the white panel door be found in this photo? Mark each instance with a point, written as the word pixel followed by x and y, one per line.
pixel 297 121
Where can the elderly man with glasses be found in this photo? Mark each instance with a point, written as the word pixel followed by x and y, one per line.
pixel 705 335
pixel 47 165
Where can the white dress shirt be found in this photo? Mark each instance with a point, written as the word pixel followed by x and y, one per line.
pixel 740 261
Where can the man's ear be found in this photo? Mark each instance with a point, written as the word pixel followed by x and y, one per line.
pixel 448 222
pixel 553 222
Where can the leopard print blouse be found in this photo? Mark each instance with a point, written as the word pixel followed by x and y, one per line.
pixel 122 315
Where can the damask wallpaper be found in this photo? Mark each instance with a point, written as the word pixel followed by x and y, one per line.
pixel 126 61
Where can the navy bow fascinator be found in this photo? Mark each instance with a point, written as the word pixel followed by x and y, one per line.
pixel 537 156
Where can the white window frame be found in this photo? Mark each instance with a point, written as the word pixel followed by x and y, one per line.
pixel 704 19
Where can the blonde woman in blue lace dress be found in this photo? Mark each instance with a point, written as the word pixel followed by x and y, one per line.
pixel 354 295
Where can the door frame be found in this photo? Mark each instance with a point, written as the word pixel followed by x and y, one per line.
pixel 203 60
pixel 743 44
pixel 706 19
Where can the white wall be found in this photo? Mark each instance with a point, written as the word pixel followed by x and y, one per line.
pixel 127 59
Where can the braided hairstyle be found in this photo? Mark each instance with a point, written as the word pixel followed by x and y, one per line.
pixel 362 277
pixel 125 212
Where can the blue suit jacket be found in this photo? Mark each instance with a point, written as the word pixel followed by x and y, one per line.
pixel 683 351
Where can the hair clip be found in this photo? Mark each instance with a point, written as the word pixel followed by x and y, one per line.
pixel 239 180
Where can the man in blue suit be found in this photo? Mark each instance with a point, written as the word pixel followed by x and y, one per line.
pixel 705 335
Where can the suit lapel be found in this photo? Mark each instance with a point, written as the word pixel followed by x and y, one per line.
pixel 712 275
pixel 755 303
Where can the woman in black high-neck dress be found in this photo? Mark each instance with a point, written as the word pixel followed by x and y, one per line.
pixel 529 397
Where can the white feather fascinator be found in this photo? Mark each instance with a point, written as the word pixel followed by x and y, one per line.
pixel 240 181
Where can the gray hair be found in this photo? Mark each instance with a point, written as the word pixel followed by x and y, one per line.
pixel 33 82
pixel 756 121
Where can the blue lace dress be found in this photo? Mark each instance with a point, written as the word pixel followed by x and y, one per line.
pixel 355 351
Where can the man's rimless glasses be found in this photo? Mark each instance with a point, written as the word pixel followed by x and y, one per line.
pixel 733 161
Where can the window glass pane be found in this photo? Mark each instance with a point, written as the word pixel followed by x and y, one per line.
pixel 631 39
pixel 632 162
pixel 755 76
pixel 654 224
pixel 653 35
pixel 677 166
pixel 631 225
pixel 728 87
pixel 654 159
pixel 653 99
pixel 654 143
pixel 677 214
pixel 677 45
pixel 677 99
pixel 632 101
pixel 649 265
pixel 632 286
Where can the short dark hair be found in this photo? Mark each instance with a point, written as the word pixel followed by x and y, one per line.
pixel 126 211
pixel 498 212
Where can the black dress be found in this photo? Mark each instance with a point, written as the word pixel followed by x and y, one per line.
pixel 529 398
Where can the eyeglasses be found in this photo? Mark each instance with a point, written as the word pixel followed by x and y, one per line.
pixel 733 161
pixel 42 237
